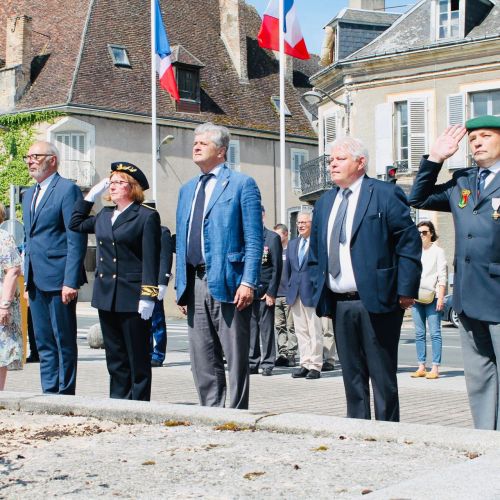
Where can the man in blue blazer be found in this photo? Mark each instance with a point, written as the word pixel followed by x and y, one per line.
pixel 219 246
pixel 365 258
pixel 472 195
pixel 53 267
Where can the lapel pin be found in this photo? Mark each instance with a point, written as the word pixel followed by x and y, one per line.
pixel 464 198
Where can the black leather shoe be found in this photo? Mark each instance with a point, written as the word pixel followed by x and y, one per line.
pixel 291 361
pixel 300 372
pixel 33 359
pixel 313 374
pixel 267 372
pixel 327 367
pixel 254 370
pixel 156 364
pixel 281 361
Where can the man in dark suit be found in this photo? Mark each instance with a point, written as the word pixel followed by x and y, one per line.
pixel 218 255
pixel 53 267
pixel 308 328
pixel 473 198
pixel 262 321
pixel 365 261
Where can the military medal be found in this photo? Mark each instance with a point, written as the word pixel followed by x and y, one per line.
pixel 495 203
pixel 464 198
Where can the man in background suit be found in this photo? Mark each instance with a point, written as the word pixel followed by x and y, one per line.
pixel 219 247
pixel 53 267
pixel 262 321
pixel 365 261
pixel 473 198
pixel 308 328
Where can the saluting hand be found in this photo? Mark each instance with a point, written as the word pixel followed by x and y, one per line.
pixel 446 144
pixel 98 189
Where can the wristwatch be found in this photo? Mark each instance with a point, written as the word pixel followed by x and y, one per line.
pixel 5 304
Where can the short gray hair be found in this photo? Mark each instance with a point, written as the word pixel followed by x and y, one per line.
pixel 355 147
pixel 51 150
pixel 220 135
pixel 305 212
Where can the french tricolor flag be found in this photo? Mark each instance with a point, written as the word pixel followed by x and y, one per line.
pixel 268 36
pixel 163 63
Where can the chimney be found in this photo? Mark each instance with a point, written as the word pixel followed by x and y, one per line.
pixel 231 32
pixel 15 76
pixel 367 4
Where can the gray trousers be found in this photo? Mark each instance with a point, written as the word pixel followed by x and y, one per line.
pixel 262 345
pixel 285 332
pixel 481 352
pixel 217 329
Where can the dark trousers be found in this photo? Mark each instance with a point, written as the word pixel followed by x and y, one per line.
pixel 127 343
pixel 158 333
pixel 55 332
pixel 31 338
pixel 217 329
pixel 367 346
pixel 262 333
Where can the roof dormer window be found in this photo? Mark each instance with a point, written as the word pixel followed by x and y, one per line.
pixel 448 17
pixel 119 56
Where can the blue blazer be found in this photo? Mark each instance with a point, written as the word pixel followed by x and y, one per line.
pixel 476 287
pixel 54 252
pixel 233 238
pixel 385 248
pixel 299 277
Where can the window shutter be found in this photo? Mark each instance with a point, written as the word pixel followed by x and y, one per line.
pixel 455 110
pixel 329 130
pixel 384 153
pixel 299 157
pixel 417 118
pixel 233 155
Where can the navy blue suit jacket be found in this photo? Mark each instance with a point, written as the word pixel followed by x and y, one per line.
pixel 54 252
pixel 299 277
pixel 385 248
pixel 476 287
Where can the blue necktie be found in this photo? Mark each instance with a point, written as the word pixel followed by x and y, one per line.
pixel 481 179
pixel 338 235
pixel 194 255
pixel 302 251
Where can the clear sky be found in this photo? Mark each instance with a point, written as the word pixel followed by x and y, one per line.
pixel 314 14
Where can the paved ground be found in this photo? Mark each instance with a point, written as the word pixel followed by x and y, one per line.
pixel 442 401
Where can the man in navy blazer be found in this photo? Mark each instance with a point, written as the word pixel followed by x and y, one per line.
pixel 473 198
pixel 219 246
pixel 365 259
pixel 308 328
pixel 53 267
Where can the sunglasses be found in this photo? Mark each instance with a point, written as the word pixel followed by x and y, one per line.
pixel 425 233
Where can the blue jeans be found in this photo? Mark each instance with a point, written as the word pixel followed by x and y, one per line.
pixel 158 333
pixel 423 313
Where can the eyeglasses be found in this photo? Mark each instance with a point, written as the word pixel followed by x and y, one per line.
pixel 302 223
pixel 35 157
pixel 118 183
pixel 424 233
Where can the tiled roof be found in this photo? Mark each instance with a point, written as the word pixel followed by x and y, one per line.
pixel 365 17
pixel 412 31
pixel 195 25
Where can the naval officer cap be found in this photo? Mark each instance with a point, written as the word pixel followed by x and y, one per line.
pixel 486 121
pixel 132 170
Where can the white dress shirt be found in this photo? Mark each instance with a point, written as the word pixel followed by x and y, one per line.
pixel 345 281
pixel 494 170
pixel 117 212
pixel 43 188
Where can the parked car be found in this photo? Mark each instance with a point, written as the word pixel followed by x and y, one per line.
pixel 448 313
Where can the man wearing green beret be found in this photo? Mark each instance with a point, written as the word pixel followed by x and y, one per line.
pixel 473 198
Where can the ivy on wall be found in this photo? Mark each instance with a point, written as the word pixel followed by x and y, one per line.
pixel 17 133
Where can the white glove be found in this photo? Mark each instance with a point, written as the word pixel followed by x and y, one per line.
pixel 146 308
pixel 97 190
pixel 162 290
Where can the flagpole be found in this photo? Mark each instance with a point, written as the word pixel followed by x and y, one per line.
pixel 153 99
pixel 283 219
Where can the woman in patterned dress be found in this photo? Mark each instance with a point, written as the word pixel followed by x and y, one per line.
pixel 11 342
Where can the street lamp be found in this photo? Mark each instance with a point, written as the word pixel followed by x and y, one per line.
pixel 315 96
pixel 166 140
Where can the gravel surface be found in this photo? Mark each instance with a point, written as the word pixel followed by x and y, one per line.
pixel 78 457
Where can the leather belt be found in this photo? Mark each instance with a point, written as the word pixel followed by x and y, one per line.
pixel 342 297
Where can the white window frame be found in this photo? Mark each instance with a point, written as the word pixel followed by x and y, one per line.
pixel 81 170
pixel 296 153
pixel 233 155
pixel 436 20
pixel 489 110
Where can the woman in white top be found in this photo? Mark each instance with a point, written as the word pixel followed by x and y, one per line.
pixel 429 307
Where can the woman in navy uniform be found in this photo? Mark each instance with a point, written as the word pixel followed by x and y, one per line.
pixel 126 281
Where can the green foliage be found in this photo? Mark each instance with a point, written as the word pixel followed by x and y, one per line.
pixel 15 140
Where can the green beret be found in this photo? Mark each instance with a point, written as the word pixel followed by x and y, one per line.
pixel 486 121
